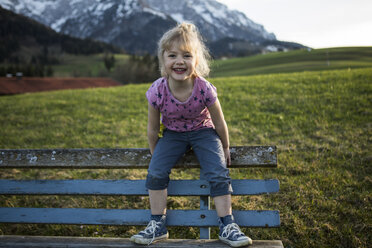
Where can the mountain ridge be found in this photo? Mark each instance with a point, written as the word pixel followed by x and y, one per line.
pixel 136 25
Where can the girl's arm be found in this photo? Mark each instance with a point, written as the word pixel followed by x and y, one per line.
pixel 221 128
pixel 153 127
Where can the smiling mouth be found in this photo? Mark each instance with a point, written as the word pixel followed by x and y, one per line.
pixel 179 70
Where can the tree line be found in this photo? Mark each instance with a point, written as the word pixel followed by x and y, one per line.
pixel 44 46
pixel 25 45
pixel 138 69
pixel 28 70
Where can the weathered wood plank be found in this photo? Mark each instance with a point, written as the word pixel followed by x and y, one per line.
pixel 128 187
pixel 89 216
pixel 247 156
pixel 87 242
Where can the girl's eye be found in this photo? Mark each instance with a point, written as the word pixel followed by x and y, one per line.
pixel 171 55
pixel 187 56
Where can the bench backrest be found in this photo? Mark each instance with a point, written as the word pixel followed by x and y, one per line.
pixel 242 157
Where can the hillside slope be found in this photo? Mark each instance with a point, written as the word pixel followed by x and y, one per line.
pixel 280 62
pixel 295 61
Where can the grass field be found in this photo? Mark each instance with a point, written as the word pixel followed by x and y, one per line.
pixel 84 66
pixel 320 121
pixel 295 61
pixel 279 62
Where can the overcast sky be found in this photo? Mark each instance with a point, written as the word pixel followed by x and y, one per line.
pixel 314 23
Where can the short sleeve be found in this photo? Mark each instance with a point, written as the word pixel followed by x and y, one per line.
pixel 152 95
pixel 210 94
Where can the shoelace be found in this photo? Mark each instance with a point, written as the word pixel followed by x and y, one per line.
pixel 233 229
pixel 151 228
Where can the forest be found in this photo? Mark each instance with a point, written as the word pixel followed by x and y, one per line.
pixel 31 47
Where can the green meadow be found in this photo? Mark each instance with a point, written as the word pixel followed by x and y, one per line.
pixel 85 65
pixel 295 61
pixel 278 62
pixel 319 120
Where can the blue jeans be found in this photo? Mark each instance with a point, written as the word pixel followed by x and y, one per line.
pixel 207 147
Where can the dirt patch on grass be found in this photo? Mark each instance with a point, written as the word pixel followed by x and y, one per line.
pixel 13 85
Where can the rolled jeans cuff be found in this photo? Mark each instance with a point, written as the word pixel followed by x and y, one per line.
pixel 154 183
pixel 226 189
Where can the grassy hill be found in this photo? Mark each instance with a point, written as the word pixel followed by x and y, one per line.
pixel 280 62
pixel 85 65
pixel 320 121
pixel 295 61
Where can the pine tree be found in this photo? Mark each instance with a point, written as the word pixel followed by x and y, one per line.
pixel 109 61
pixel 49 71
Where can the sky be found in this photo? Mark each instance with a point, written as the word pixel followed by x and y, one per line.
pixel 313 23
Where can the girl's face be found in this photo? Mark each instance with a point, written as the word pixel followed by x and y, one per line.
pixel 179 64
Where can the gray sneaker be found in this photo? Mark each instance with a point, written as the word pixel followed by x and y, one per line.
pixel 155 230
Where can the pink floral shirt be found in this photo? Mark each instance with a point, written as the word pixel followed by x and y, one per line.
pixel 185 116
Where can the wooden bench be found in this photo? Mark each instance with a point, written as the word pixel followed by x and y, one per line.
pixel 242 157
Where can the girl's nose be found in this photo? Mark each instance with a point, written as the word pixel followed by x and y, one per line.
pixel 179 60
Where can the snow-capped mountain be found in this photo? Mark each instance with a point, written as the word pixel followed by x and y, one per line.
pixel 136 25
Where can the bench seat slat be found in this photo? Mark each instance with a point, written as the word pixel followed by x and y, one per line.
pixel 89 216
pixel 247 156
pixel 128 187
pixel 85 242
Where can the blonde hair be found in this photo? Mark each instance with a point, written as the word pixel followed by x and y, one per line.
pixel 187 36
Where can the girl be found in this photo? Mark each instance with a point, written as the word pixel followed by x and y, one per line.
pixel 193 118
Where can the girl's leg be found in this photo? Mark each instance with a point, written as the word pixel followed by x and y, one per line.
pixel 158 201
pixel 168 151
pixel 208 148
pixel 223 205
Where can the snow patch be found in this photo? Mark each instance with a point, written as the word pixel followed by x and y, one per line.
pixel 151 11
pixel 6 3
pixel 101 7
pixel 220 13
pixel 178 17
pixel 208 17
pixel 33 6
pixel 57 25
pixel 120 11
pixel 204 13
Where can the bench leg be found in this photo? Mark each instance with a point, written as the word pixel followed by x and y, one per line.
pixel 205 232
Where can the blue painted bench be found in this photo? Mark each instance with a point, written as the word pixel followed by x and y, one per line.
pixel 204 218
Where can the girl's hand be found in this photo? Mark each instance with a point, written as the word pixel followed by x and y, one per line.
pixel 226 151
